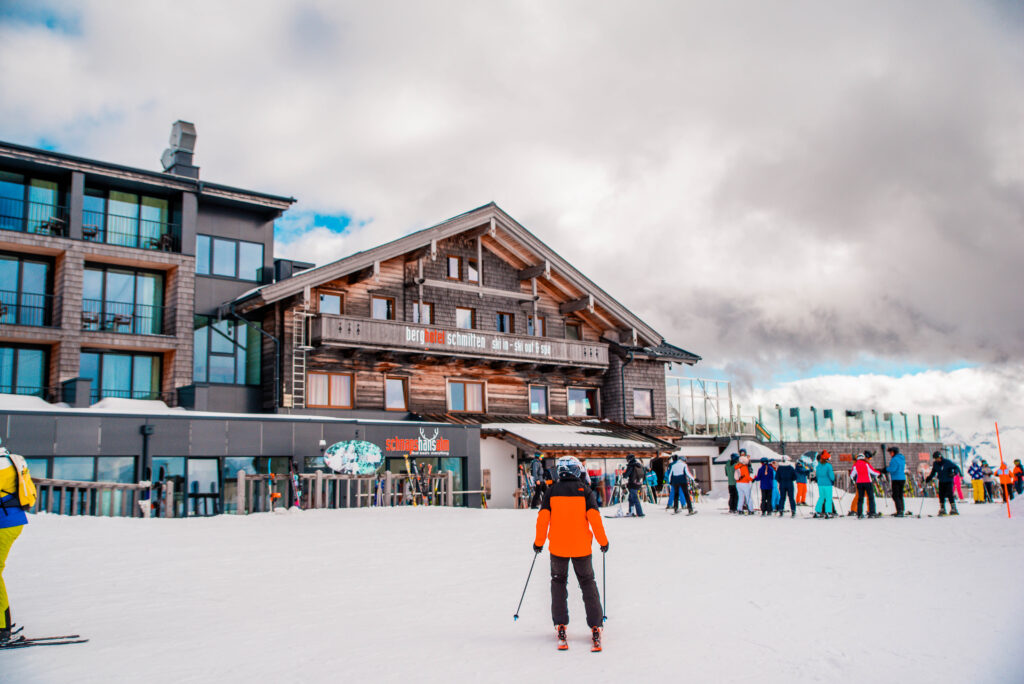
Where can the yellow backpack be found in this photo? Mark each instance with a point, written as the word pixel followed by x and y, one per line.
pixel 26 487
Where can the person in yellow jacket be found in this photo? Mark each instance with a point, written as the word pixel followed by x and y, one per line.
pixel 12 520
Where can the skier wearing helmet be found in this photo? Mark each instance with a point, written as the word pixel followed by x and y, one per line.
pixel 565 520
pixel 862 472
pixel 744 483
pixel 826 477
pixel 679 477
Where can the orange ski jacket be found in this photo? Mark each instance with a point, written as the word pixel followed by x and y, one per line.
pixel 566 517
pixel 742 473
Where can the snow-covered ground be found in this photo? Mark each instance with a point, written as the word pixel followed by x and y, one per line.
pixel 428 595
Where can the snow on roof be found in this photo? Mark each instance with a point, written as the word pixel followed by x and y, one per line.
pixel 23 402
pixel 569 436
pixel 755 450
pixel 134 406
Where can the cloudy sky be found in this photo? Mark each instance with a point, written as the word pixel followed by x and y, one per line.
pixel 800 192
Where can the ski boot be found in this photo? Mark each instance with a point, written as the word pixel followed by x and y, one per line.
pixel 5 635
pixel 792 514
pixel 942 511
pixel 953 510
pixel 691 512
pixel 595 635
pixel 563 644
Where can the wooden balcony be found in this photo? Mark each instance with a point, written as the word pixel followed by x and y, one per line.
pixel 398 336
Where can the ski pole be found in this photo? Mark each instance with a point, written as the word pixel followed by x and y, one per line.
pixel 921 509
pixel 516 616
pixel 604 588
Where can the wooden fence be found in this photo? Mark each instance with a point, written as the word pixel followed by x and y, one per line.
pixel 112 499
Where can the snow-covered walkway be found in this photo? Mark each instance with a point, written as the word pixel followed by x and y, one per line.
pixel 428 595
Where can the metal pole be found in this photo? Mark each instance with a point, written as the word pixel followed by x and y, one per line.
pixel 516 616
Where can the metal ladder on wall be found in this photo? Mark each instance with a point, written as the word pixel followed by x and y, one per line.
pixel 300 346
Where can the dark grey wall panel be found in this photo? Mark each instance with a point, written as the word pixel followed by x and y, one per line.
pixel 209 438
pixel 35 436
pixel 120 436
pixel 306 439
pixel 244 437
pixel 170 437
pixel 277 438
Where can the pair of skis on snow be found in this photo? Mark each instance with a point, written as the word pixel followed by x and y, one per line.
pixel 19 641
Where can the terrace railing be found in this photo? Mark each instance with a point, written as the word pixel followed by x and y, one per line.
pixel 112 499
pixel 129 231
pixel 124 317
pixel 33 217
pixel 26 308
pixel 168 398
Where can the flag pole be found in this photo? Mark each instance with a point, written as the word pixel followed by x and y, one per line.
pixel 1002 464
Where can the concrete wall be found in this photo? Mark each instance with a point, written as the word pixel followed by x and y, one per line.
pixel 499 457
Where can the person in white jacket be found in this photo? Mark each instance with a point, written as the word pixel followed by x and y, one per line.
pixel 679 477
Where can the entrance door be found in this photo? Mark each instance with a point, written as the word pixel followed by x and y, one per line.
pixel 203 487
pixel 172 469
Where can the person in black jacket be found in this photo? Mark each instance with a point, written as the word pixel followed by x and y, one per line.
pixel 785 475
pixel 634 481
pixel 945 471
pixel 540 476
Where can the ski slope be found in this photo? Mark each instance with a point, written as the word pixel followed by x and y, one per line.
pixel 428 595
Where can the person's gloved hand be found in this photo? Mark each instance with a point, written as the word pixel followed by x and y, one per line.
pixel 537 549
pixel 604 549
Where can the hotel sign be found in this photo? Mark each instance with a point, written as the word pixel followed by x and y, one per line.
pixel 424 445
pixel 478 341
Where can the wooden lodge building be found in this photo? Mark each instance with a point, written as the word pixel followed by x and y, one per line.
pixel 471 321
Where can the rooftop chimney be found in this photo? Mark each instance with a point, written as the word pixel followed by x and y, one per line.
pixel 177 159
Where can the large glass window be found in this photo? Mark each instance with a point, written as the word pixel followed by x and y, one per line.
pixel 582 401
pixel 226 352
pixel 126 219
pixel 331 390
pixel 119 374
pixel 538 400
pixel 505 323
pixel 643 403
pixel 472 272
pixel 535 327
pixel 30 204
pixel 454 268
pixel 573 331
pixel 330 303
pixel 395 394
pixel 22 370
pixel 78 468
pixel 423 313
pixel 465 396
pixel 383 308
pixel 122 300
pixel 465 318
pixel 229 258
pixel 25 297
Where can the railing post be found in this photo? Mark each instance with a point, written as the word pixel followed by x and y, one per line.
pixel 169 499
pixel 450 487
pixel 318 491
pixel 387 489
pixel 240 494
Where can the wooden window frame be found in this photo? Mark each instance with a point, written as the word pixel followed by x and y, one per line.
pixel 448 267
pixel 651 393
pixel 579 330
pixel 390 299
pixel 511 322
pixel 483 394
pixel 472 264
pixel 543 325
pixel 338 293
pixel 351 390
pixel 415 313
pixel 547 400
pixel 405 392
pixel 597 401
pixel 472 322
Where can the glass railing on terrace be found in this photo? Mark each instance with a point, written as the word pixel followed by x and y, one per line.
pixel 26 308
pixel 813 424
pixel 41 218
pixel 129 231
pixel 123 317
pixel 138 393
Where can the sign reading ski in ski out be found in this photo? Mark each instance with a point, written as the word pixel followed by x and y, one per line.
pixel 424 445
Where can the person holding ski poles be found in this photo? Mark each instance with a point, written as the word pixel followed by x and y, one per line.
pixel 730 476
pixel 679 477
pixel 766 477
pixel 566 518
pixel 826 477
pixel 652 482
pixel 12 522
pixel 634 480
pixel 785 477
pixel 802 472
pixel 539 480
pixel 897 470
pixel 862 473
pixel 744 484
pixel 944 470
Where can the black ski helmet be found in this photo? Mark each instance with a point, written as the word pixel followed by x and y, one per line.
pixel 937 455
pixel 734 458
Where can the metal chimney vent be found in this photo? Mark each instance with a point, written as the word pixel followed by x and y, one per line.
pixel 177 159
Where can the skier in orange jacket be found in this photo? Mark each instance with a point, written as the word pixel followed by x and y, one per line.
pixel 565 520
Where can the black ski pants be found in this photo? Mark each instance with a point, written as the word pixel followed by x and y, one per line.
pixel 538 494
pixel 634 501
pixel 766 501
pixel 584 569
pixel 865 489
pixel 946 493
pixel 681 489
pixel 787 491
pixel 897 494
pixel 734 497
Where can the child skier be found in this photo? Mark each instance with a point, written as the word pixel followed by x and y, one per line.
pixel 12 522
pixel 766 476
pixel 785 476
pixel 566 518
pixel 944 470
pixel 862 472
pixel 679 478
pixel 826 477
pixel 744 483
pixel 802 471
pixel 977 483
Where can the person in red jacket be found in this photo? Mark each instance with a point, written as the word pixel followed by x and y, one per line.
pixel 565 520
pixel 862 471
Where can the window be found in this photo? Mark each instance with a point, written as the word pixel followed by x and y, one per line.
pixel 25 297
pixel 122 300
pixel 535 330
pixel 22 370
pixel 643 403
pixel 538 400
pixel 229 258
pixel 423 313
pixel 465 318
pixel 582 401
pixel 395 397
pixel 330 303
pixel 573 331
pixel 454 268
pixel 383 308
pixel 506 323
pixel 330 390
pixel 472 272
pixel 29 204
pixel 127 219
pixel 225 352
pixel 465 397
pixel 126 375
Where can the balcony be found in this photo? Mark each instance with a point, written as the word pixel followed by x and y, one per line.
pixel 349 331
pixel 124 317
pixel 26 308
pixel 41 218
pixel 129 231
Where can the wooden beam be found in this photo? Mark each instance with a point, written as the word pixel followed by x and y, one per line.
pixel 479 231
pixel 467 287
pixel 541 269
pixel 585 302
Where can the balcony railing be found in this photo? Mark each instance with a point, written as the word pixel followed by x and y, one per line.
pixel 128 231
pixel 33 217
pixel 26 308
pixel 50 394
pixel 150 395
pixel 121 317
pixel 349 331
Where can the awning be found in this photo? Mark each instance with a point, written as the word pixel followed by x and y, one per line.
pixel 755 451
pixel 589 438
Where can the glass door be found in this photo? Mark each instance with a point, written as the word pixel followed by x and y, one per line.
pixel 203 486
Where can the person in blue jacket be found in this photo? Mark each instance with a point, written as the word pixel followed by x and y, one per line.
pixel 826 478
pixel 766 477
pixel 802 471
pixel 652 482
pixel 785 477
pixel 897 469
